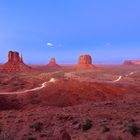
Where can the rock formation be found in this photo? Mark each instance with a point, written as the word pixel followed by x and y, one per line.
pixel 132 62
pixel 15 63
pixel 85 62
pixel 13 57
pixel 52 64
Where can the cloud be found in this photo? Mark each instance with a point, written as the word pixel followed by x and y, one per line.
pixel 108 44
pixel 49 44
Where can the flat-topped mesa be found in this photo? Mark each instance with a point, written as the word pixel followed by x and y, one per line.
pixel 85 59
pixel 52 63
pixel 132 62
pixel 15 63
pixel 85 62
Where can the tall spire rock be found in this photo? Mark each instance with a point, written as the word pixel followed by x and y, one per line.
pixel 21 58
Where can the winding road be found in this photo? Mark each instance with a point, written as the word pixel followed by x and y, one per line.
pixel 117 80
pixel 74 76
pixel 52 80
pixel 120 77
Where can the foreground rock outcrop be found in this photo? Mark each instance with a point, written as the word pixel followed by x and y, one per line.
pixel 132 62
pixel 85 62
pixel 15 63
pixel 52 64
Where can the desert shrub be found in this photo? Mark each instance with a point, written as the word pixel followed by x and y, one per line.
pixel 43 135
pixel 133 129
pixel 105 129
pixel 6 136
pixel 119 138
pixel 20 120
pixel 0 127
pixel 87 125
pixel 31 138
pixel 110 137
pixel 37 126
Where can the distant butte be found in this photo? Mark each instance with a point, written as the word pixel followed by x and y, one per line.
pixel 15 63
pixel 132 62
pixel 52 64
pixel 85 62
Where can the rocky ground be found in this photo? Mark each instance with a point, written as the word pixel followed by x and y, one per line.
pixel 80 105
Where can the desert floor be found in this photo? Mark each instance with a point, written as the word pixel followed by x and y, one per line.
pixel 56 104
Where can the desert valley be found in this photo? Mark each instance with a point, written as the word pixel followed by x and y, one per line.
pixel 69 70
pixel 83 101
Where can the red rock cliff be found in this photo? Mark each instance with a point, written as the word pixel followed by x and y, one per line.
pixel 15 63
pixel 132 62
pixel 52 63
pixel 85 62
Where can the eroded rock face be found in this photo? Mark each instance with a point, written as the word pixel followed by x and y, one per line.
pixel 15 63
pixel 13 57
pixel 52 63
pixel 85 61
pixel 132 62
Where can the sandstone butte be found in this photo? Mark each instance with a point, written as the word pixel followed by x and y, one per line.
pixel 15 63
pixel 52 64
pixel 85 62
pixel 132 62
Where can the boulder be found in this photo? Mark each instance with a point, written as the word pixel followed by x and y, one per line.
pixel 85 62
pixel 14 64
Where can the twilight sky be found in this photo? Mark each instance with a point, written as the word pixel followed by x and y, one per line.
pixel 109 30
